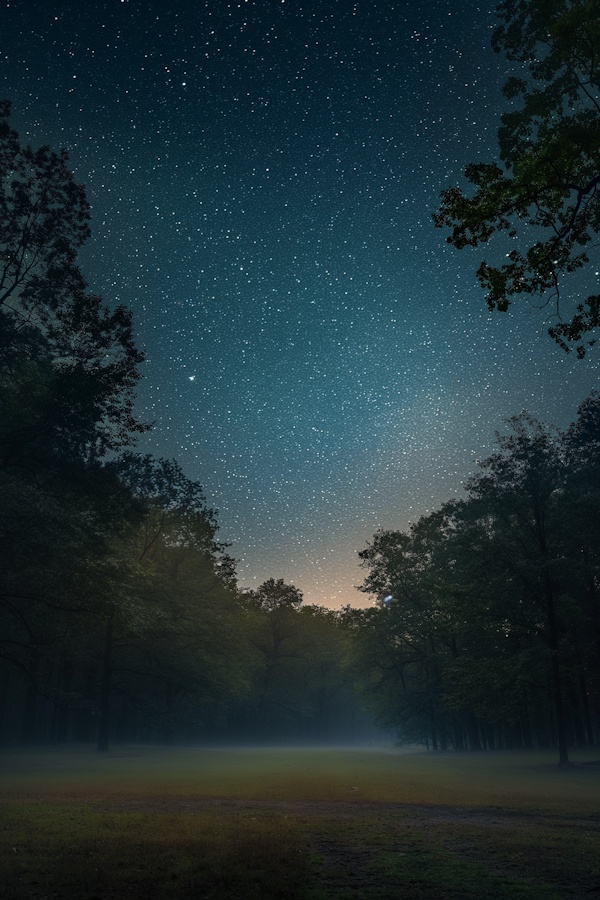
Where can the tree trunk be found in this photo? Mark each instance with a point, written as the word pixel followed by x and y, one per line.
pixel 517 736
pixel 473 732
pixel 28 727
pixel 563 753
pixel 62 730
pixel 84 719
pixel 577 720
pixel 105 689
pixel 458 733
pixel 586 711
pixel 41 720
pixel 434 743
pixel 561 729
pixel 526 728
pixel 595 617
pixel 443 738
pixel 168 732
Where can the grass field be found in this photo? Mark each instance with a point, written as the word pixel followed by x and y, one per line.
pixel 304 824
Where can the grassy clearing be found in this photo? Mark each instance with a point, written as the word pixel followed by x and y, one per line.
pixel 68 829
pixel 71 851
pixel 530 781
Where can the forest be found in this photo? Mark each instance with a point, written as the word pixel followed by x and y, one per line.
pixel 121 618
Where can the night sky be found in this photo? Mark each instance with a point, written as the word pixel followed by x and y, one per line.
pixel 262 176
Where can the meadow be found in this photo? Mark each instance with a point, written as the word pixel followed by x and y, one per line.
pixel 306 824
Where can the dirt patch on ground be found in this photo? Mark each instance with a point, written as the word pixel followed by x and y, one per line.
pixel 492 817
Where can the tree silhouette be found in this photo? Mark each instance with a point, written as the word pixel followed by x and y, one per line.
pixel 68 363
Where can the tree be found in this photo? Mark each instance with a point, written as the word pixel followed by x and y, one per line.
pixel 278 640
pixel 548 183
pixel 583 493
pixel 330 704
pixel 68 363
pixel 301 684
pixel 488 609
pixel 407 642
pixel 176 534
pixel 57 576
pixel 517 500
pixel 68 370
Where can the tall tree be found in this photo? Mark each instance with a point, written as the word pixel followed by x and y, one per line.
pixel 583 494
pixel 68 370
pixel 405 644
pixel 57 573
pixel 544 193
pixel 301 686
pixel 517 501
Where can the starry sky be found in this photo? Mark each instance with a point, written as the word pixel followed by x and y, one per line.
pixel 262 176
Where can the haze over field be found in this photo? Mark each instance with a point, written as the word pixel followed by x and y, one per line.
pixel 279 775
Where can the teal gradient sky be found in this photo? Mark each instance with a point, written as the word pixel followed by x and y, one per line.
pixel 262 176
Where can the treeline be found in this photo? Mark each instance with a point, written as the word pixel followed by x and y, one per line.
pixel 487 630
pixel 120 615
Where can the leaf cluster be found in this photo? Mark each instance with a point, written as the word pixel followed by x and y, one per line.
pixel 545 189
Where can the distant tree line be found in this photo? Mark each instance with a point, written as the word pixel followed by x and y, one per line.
pixel 487 630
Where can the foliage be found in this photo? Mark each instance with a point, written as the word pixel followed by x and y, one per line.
pixel 486 631
pixel 546 189
pixel 68 363
pixel 301 686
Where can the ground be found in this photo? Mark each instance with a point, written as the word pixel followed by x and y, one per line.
pixel 304 824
